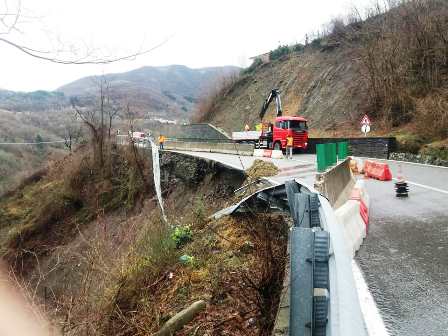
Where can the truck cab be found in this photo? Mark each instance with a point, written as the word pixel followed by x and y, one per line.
pixel 274 135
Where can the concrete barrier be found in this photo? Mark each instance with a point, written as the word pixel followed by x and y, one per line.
pixel 277 154
pixel 258 152
pixel 336 183
pixel 210 147
pixel 349 217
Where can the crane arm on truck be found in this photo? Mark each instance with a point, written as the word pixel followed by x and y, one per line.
pixel 274 94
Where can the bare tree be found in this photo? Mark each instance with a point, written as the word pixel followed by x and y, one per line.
pixel 10 20
pixel 72 132
pixel 94 117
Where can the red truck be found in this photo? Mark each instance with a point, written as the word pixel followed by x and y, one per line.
pixel 273 135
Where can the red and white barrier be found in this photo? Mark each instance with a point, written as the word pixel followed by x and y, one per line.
pixel 354 217
pixel 268 153
pixel 360 195
pixel 377 170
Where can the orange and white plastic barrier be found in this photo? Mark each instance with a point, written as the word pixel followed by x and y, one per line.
pixel 359 194
pixel 377 170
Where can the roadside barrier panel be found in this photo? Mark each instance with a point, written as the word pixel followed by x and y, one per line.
pixel 210 147
pixel 377 170
pixel 330 154
pixel 277 154
pixel 336 183
pixel 349 216
pixel 333 153
pixel 267 153
pixel 342 150
pixel 321 158
pixel 363 210
pixel 258 152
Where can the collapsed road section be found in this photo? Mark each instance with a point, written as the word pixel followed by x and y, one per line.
pixel 319 295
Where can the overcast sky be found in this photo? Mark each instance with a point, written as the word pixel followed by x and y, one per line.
pixel 200 33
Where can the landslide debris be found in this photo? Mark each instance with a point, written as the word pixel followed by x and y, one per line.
pixel 259 169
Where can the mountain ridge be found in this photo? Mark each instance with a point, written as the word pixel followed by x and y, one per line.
pixel 167 91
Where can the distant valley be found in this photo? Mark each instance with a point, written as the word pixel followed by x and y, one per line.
pixel 153 94
pixel 168 92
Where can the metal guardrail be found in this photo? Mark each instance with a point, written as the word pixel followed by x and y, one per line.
pixel 309 279
pixel 323 295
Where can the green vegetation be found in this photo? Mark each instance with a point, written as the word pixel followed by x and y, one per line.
pixel 255 64
pixel 69 191
pixel 278 53
pixel 299 48
pixel 316 43
pixel 438 149
pixel 409 142
pixel 182 235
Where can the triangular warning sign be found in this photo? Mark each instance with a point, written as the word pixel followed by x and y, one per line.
pixel 365 120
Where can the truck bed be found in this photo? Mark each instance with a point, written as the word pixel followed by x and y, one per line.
pixel 246 136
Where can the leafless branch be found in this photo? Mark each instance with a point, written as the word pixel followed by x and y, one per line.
pixel 9 19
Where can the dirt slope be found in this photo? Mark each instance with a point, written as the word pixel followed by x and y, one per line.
pixel 322 86
pixel 94 255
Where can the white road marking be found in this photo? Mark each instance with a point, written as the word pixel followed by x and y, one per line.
pixel 372 317
pixel 425 186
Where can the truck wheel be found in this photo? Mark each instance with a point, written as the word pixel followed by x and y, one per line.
pixel 277 146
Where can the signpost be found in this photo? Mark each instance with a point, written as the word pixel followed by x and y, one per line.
pixel 365 124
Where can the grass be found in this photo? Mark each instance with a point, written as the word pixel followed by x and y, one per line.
pixel 116 271
pixel 438 149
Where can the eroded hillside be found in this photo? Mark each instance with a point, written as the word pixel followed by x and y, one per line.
pixel 391 64
pixel 91 250
pixel 322 86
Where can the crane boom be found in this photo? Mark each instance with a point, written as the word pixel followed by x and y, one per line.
pixel 274 94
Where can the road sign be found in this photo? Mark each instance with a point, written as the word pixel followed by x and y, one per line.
pixel 365 120
pixel 365 128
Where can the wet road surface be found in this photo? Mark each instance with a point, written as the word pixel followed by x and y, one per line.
pixel 405 256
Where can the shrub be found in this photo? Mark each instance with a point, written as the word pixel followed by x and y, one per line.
pixel 279 52
pixel 182 235
pixel 432 115
pixel 298 47
pixel 316 43
pixel 255 64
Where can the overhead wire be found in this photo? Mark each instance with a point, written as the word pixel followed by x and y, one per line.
pixel 31 143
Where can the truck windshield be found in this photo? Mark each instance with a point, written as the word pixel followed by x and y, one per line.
pixel 296 125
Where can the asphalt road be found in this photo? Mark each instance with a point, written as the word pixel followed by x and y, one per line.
pixel 405 256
